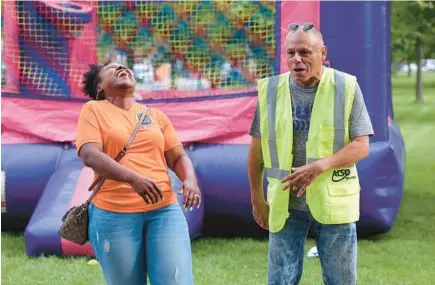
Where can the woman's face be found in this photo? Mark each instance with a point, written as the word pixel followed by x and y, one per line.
pixel 117 77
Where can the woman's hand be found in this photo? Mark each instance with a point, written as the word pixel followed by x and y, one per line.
pixel 192 195
pixel 147 189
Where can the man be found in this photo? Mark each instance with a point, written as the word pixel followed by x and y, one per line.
pixel 310 128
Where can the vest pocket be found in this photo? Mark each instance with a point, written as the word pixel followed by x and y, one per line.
pixel 342 203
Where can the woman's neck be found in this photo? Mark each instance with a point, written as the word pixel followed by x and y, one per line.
pixel 122 102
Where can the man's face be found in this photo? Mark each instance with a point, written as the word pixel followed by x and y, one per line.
pixel 305 55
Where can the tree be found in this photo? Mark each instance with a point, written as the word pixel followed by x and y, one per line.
pixel 412 29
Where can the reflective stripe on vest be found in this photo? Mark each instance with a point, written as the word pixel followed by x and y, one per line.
pixel 339 124
pixel 274 171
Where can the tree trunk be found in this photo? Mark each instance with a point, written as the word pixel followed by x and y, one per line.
pixel 419 83
pixel 409 68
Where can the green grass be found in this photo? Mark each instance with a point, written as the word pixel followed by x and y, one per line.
pixel 405 255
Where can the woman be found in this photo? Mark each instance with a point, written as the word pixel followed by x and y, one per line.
pixel 136 228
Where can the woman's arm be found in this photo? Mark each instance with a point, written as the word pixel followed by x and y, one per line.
pixel 106 166
pixel 93 157
pixel 180 163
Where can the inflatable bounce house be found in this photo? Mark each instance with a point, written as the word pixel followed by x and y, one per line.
pixel 198 62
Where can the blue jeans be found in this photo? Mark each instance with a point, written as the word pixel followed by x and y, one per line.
pixel 131 246
pixel 336 246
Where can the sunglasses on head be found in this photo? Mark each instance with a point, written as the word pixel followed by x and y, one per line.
pixel 305 27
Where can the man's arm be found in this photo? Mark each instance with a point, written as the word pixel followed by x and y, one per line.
pixel 360 130
pixel 353 152
pixel 256 170
pixel 260 208
pixel 255 160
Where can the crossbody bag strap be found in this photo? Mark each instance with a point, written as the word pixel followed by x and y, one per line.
pixel 99 182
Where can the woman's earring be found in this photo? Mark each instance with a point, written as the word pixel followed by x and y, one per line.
pixel 98 94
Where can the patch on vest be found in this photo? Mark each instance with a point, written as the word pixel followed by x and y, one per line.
pixel 146 121
pixel 341 174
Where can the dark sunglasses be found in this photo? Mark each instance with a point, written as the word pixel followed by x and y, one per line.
pixel 305 27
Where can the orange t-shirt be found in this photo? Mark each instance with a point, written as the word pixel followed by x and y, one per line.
pixel 104 123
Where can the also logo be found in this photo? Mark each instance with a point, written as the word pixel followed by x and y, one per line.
pixel 340 174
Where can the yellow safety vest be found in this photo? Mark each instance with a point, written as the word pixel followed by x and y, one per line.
pixel 333 198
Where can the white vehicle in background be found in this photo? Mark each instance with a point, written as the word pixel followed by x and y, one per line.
pixel 427 66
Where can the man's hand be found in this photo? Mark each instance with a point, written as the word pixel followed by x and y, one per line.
pixel 192 195
pixel 302 177
pixel 260 210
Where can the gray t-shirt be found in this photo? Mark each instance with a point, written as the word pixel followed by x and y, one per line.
pixel 302 102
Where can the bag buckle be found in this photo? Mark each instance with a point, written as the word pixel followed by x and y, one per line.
pixel 79 214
